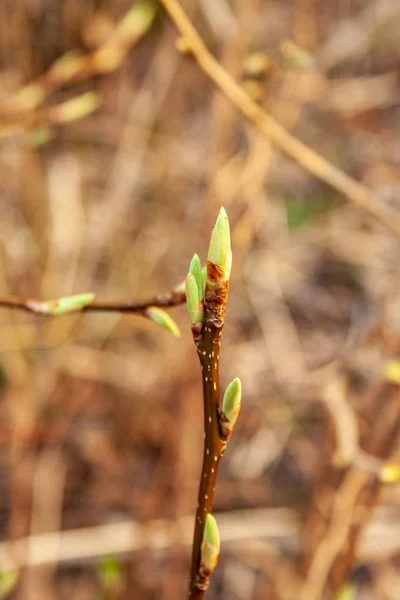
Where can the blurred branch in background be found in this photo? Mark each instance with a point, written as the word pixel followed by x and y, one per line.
pixel 22 112
pixel 305 156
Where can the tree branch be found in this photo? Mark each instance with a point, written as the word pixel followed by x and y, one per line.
pixel 356 192
pixel 206 306
pixel 173 298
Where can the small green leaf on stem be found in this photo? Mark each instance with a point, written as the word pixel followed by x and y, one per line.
pixel 210 545
pixel 159 316
pixel 219 251
pixel 195 270
pixel 61 306
pixel 231 406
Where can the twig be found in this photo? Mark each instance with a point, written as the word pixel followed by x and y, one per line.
pixel 73 66
pixel 356 192
pixel 174 298
pixel 152 309
pixel 207 312
pixel 337 535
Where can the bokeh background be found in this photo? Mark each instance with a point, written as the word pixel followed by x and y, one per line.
pixel 101 414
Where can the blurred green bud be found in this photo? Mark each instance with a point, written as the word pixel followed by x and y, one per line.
pixel 77 108
pixel 219 251
pixel 162 318
pixel 210 545
pixel 231 406
pixel 62 306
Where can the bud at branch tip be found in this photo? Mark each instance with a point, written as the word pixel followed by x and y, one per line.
pixel 219 251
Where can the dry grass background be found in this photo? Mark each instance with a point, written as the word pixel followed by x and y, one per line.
pixel 100 415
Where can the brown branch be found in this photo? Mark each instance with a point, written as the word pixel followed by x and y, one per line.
pixel 356 192
pixel 173 298
pixel 208 348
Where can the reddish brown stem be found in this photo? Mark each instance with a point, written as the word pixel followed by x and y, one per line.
pixel 208 348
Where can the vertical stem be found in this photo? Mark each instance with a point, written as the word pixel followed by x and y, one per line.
pixel 208 348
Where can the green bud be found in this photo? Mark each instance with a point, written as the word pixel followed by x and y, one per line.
pixel 162 318
pixel 61 306
pixel 194 303
pixel 210 545
pixel 195 270
pixel 219 251
pixel 76 108
pixel 231 406
pixel 30 97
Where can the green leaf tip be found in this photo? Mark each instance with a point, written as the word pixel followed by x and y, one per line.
pixel 219 251
pixel 162 318
pixel 210 545
pixel 194 301
pixel 62 306
pixel 231 406
pixel 195 270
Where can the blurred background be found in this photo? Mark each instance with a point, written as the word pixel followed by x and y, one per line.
pixel 101 414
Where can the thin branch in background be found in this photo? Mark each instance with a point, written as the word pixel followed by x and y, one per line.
pixel 72 66
pixel 65 112
pixel 25 112
pixel 206 307
pixel 356 192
